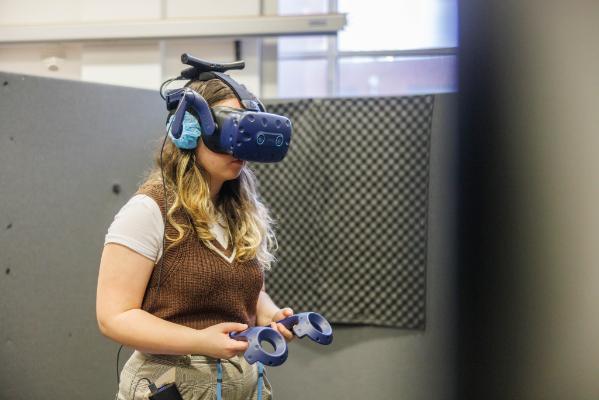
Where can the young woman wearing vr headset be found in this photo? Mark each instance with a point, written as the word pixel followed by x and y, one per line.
pixel 177 310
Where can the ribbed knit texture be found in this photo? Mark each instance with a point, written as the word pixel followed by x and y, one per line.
pixel 198 288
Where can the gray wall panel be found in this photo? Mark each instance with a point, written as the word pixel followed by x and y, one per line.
pixel 62 147
pixel 63 144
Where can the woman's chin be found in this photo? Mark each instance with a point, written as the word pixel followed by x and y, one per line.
pixel 233 175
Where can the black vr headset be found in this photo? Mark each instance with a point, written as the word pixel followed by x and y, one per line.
pixel 249 133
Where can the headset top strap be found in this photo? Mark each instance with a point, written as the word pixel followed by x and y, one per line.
pixel 205 70
pixel 247 100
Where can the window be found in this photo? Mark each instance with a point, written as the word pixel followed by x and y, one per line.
pixel 401 47
pixel 395 75
pixel 398 24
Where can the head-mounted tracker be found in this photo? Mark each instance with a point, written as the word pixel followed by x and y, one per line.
pixel 249 134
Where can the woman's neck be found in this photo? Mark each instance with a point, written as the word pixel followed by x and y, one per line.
pixel 215 187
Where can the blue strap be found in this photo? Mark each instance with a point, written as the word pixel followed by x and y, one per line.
pixel 260 375
pixel 219 380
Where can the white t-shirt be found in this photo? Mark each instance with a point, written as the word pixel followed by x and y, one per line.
pixel 139 226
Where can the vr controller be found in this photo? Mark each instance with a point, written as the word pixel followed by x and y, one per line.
pixel 310 324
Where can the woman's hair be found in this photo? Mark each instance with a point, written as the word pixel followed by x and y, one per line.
pixel 187 183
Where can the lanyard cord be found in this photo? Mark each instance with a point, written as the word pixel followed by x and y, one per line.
pixel 219 380
pixel 260 375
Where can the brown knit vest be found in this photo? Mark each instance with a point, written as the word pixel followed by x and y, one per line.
pixel 198 287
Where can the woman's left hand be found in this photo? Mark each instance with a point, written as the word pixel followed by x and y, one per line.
pixel 279 315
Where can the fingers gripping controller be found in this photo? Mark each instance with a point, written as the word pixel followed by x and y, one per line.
pixel 255 352
pixel 310 324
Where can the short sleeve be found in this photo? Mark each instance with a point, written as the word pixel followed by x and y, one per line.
pixel 139 226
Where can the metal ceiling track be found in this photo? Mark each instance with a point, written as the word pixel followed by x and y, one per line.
pixel 274 25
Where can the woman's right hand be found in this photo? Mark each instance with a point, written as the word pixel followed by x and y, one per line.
pixel 216 342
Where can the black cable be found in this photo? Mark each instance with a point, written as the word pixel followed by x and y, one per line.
pixel 151 386
pixel 165 83
pixel 118 378
pixel 165 209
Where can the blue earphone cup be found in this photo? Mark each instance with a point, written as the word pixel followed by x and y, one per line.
pixel 190 132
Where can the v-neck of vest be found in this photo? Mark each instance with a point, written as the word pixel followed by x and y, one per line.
pixel 222 255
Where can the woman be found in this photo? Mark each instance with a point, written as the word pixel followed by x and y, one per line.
pixel 178 309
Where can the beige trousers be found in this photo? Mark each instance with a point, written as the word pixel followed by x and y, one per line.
pixel 195 377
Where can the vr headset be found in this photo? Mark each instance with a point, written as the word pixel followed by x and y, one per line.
pixel 249 133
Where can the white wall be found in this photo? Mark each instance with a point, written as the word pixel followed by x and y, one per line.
pixel 142 63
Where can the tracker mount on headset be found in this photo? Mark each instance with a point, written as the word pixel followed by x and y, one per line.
pixel 198 66
pixel 205 70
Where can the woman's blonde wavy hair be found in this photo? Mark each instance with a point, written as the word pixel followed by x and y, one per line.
pixel 249 221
